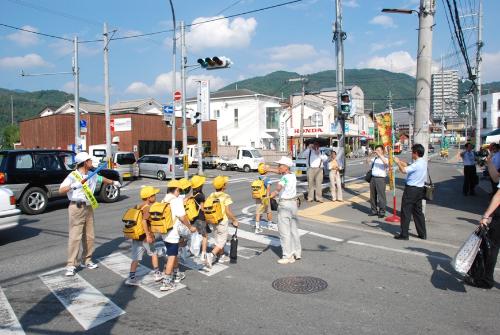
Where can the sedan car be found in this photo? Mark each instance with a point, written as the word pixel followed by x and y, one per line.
pixel 9 214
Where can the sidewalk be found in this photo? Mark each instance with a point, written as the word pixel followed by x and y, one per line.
pixel 450 218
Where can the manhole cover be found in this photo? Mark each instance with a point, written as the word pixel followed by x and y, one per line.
pixel 299 285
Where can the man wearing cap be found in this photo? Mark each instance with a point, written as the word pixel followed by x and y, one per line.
pixel 286 191
pixel 80 192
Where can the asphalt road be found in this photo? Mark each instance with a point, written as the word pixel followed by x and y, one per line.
pixel 376 285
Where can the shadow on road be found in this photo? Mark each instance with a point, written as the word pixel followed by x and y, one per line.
pixel 21 232
pixel 444 277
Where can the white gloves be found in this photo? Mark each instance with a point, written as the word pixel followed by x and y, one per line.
pixel 76 185
pixel 117 183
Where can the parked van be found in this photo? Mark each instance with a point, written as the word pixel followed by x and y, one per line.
pixel 98 152
pixel 125 164
pixel 158 166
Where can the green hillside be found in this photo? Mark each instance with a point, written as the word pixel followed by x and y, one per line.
pixel 375 84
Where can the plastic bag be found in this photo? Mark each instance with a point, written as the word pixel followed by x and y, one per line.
pixel 463 260
pixel 195 243
pixel 478 269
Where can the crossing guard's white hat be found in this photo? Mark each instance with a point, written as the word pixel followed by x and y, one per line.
pixel 285 161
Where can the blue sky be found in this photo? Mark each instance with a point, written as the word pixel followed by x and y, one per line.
pixel 295 37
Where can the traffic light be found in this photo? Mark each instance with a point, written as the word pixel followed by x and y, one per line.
pixel 345 103
pixel 195 117
pixel 214 62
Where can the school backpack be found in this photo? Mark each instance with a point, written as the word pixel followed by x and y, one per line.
pixel 160 218
pixel 192 208
pixel 133 227
pixel 213 210
pixel 258 189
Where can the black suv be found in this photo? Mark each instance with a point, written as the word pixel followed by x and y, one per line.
pixel 35 176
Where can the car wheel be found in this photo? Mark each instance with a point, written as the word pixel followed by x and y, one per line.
pixel 109 193
pixel 34 201
pixel 246 168
pixel 160 175
pixel 223 167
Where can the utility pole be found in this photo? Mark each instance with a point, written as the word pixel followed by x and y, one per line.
pixel 424 68
pixel 338 37
pixel 76 73
pixel 174 74
pixel 183 97
pixel 442 102
pixel 107 113
pixel 303 80
pixel 478 76
pixel 11 110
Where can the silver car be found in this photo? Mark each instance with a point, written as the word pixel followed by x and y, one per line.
pixel 158 166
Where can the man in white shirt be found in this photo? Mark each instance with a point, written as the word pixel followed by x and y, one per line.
pixel 315 161
pixel 81 213
pixel 378 166
pixel 470 176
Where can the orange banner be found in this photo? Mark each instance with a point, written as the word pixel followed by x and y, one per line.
pixel 384 126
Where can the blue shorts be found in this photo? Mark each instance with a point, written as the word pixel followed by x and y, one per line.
pixel 172 248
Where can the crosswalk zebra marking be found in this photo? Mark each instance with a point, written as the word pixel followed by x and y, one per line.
pixel 8 320
pixel 120 264
pixel 87 304
pixel 199 265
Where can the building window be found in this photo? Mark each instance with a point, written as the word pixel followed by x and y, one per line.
pixel 485 125
pixel 272 118
pixel 225 139
pixel 485 105
pixel 236 118
pixel 498 104
pixel 217 113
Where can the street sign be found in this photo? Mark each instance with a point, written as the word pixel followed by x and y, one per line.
pixel 204 99
pixel 83 126
pixel 346 127
pixel 177 96
pixel 168 109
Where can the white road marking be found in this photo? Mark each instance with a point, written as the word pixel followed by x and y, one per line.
pixel 9 325
pixel 336 239
pixel 243 252
pixel 87 305
pixel 199 265
pixel 120 264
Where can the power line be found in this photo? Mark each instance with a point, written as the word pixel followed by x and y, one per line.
pixel 36 32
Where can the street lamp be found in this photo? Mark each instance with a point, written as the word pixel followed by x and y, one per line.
pixel 424 67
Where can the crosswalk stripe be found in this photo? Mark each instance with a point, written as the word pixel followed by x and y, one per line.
pixel 199 265
pixel 120 264
pixel 243 252
pixel 9 323
pixel 87 305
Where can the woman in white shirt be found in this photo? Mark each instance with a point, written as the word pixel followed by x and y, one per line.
pixel 335 183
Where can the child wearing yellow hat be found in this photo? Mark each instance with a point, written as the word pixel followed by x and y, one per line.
pixel 221 230
pixel 199 221
pixel 145 243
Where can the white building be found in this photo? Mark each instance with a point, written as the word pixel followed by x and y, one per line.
pixel 444 92
pixel 244 117
pixel 320 117
pixel 490 112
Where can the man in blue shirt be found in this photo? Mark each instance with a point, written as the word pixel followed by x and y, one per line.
pixel 470 175
pixel 411 203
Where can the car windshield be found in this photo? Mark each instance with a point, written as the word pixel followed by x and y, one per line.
pixel 256 154
pixel 127 158
pixel 178 161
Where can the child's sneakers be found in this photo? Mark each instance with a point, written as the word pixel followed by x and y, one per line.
pixel 158 276
pixel 167 284
pixel 132 281
pixel 209 260
pixel 178 276
pixel 222 259
pixel 70 271
pixel 272 226
pixel 89 265
pixel 258 230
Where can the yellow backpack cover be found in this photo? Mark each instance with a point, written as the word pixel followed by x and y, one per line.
pixel 258 189
pixel 213 210
pixel 192 209
pixel 160 218
pixel 133 223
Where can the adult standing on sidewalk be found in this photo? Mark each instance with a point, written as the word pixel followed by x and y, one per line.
pixel 495 160
pixel 411 203
pixel 81 213
pixel 314 160
pixel 286 190
pixel 334 175
pixel 469 159
pixel 378 166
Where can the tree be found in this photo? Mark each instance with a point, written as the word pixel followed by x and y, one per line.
pixel 10 135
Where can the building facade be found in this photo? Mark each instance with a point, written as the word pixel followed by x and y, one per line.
pixel 490 112
pixel 244 118
pixel 444 94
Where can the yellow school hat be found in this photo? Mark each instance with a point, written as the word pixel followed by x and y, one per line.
pixel 197 181
pixel 220 181
pixel 174 183
pixel 184 183
pixel 262 168
pixel 148 191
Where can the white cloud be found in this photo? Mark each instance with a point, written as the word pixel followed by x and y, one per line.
pixel 64 48
pixel 24 38
pixel 292 52
pixel 385 45
pixel 491 67
pixel 162 86
pixel 399 61
pixel 351 3
pixel 23 62
pixel 320 64
pixel 85 89
pixel 384 21
pixel 221 33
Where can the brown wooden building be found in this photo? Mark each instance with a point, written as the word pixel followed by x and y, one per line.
pixel 139 133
